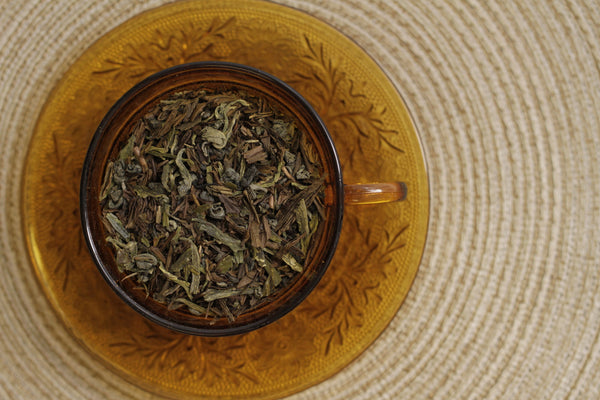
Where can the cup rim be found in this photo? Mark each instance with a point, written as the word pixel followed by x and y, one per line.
pixel 104 270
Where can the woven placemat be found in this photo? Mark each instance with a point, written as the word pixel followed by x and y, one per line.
pixel 505 96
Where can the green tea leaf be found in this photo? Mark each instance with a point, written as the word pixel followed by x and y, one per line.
pixel 215 294
pixel 273 274
pixel 117 225
pixel 225 265
pixel 221 237
pixel 160 152
pixel 167 178
pixel 215 137
pixel 302 220
pixel 193 307
pixel 291 261
pixel 107 183
pixel 187 178
pixel 127 151
pixel 173 278
pixel 145 192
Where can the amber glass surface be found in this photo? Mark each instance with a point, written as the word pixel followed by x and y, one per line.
pixel 112 134
pixel 374 193
pixel 380 245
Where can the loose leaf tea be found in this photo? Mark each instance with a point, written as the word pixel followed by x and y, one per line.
pixel 213 202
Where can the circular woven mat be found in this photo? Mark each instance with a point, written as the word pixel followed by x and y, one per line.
pixel 505 96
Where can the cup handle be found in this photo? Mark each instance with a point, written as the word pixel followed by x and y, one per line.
pixel 374 193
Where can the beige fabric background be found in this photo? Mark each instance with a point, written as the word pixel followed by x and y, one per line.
pixel 506 98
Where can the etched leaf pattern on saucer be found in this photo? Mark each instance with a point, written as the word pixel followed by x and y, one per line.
pixel 62 188
pixel 294 349
pixel 342 104
pixel 166 49
pixel 209 359
pixel 363 261
pixel 63 193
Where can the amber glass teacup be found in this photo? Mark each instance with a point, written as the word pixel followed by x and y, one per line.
pixel 113 132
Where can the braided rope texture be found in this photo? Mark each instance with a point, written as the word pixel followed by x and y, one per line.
pixel 506 98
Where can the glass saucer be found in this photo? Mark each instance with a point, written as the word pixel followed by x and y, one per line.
pixel 380 246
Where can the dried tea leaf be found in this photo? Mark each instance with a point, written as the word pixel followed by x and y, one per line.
pixel 172 277
pixel 167 178
pixel 186 177
pixel 225 264
pixel 193 307
pixel 255 154
pixel 302 221
pixel 160 152
pixel 146 191
pixel 274 276
pixel 221 237
pixel 215 137
pixel 215 294
pixel 257 239
pixel 107 183
pixel 291 261
pixel 308 150
pixel 117 225
pixel 127 151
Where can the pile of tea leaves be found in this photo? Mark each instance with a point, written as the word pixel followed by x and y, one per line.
pixel 213 202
